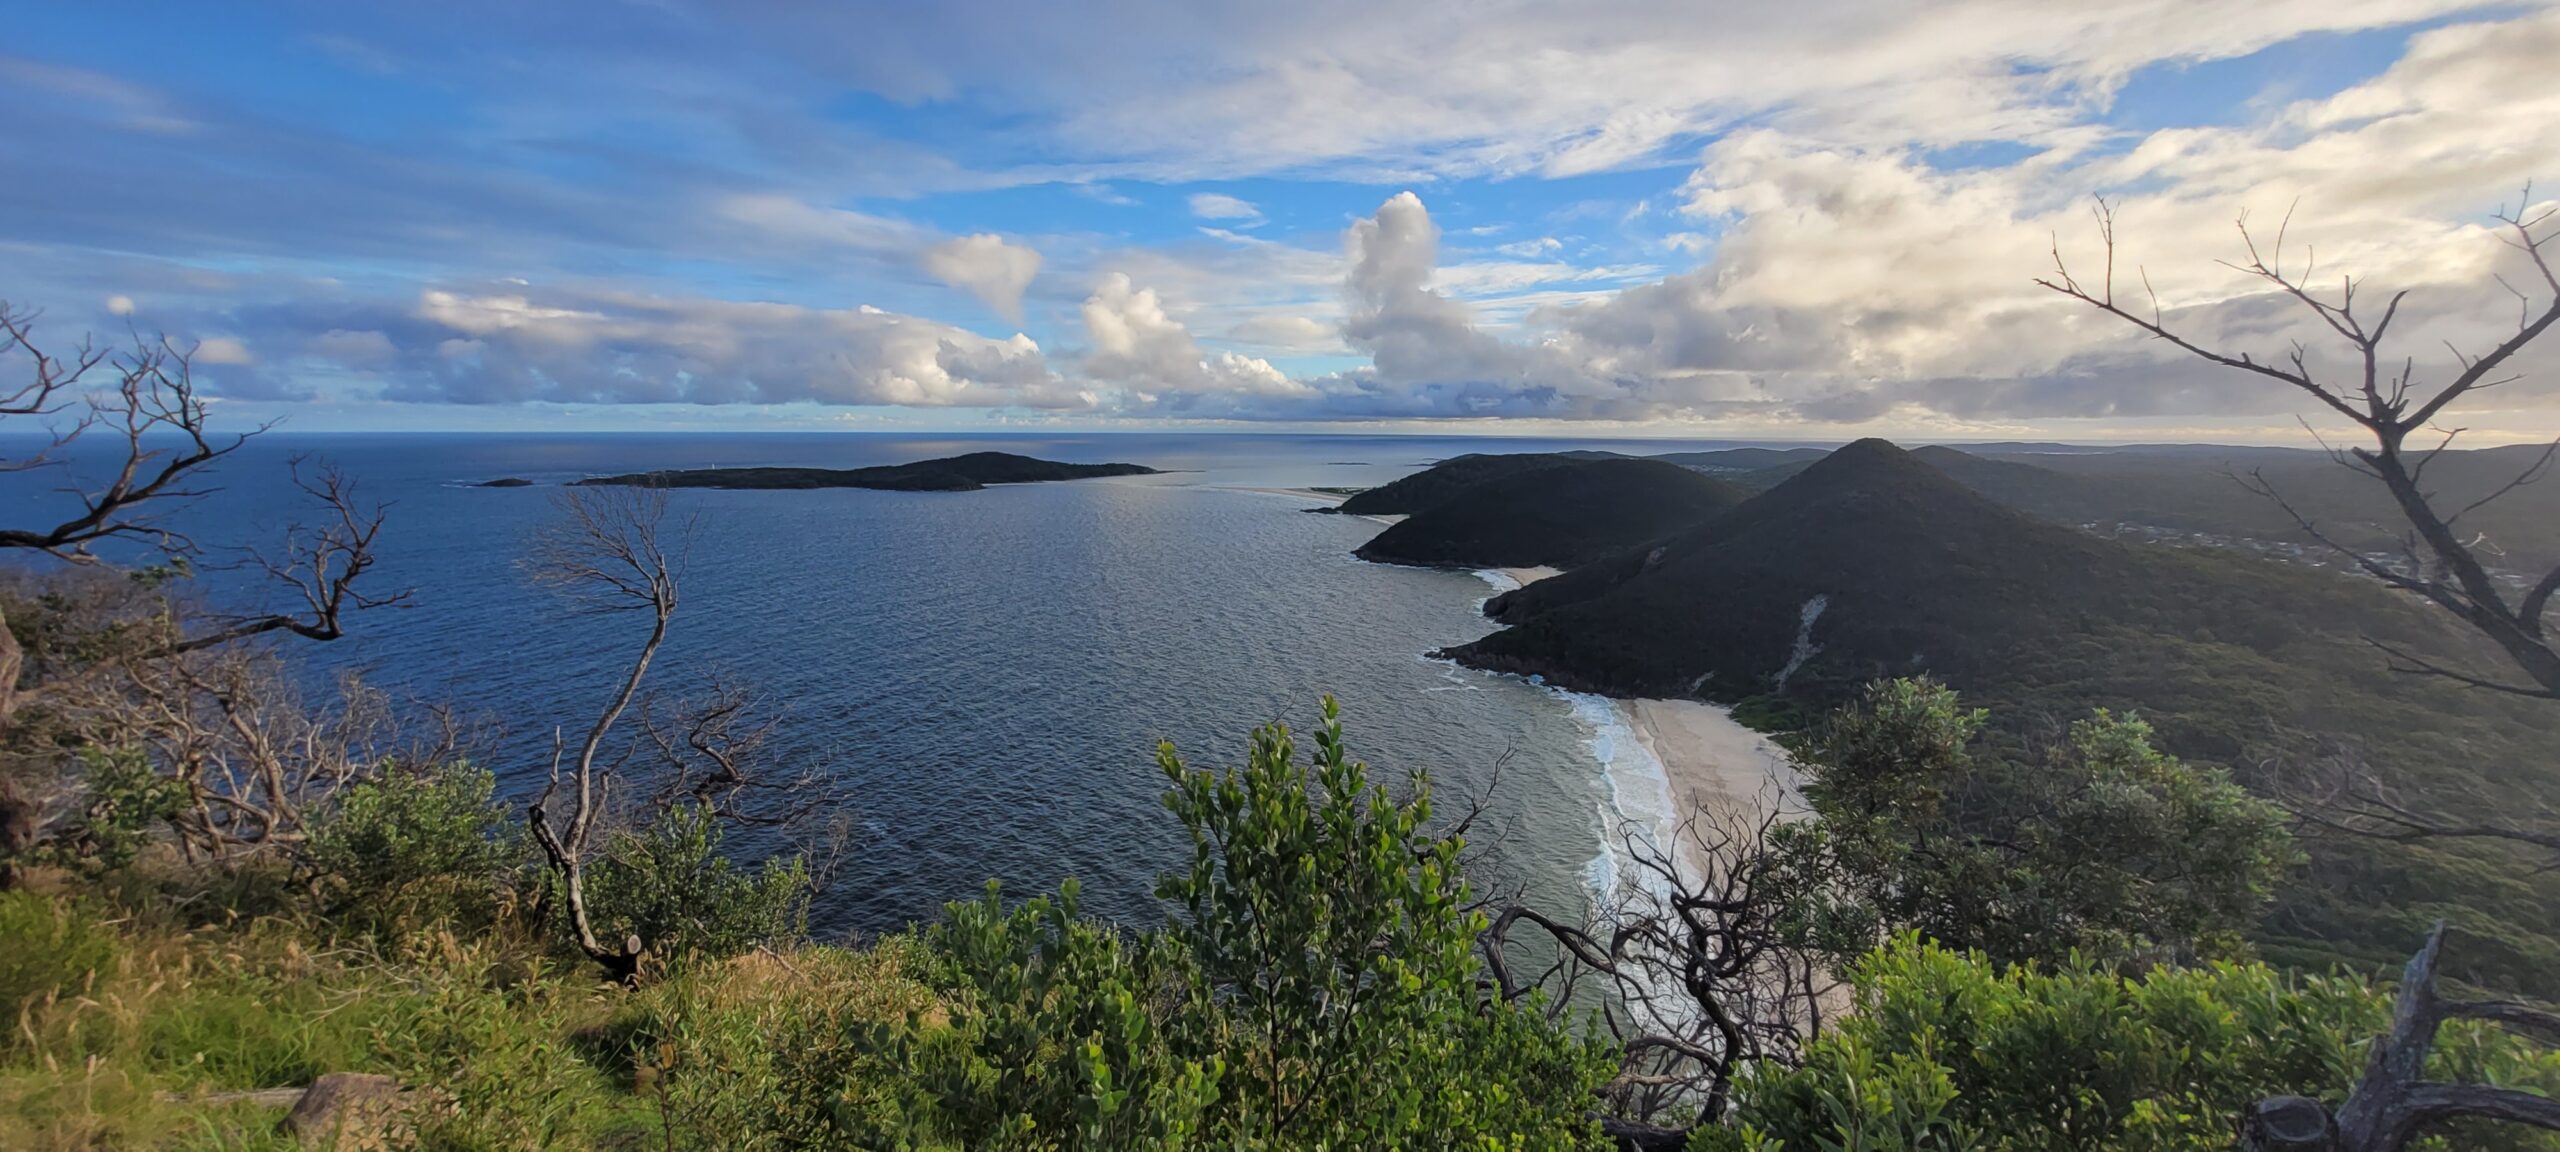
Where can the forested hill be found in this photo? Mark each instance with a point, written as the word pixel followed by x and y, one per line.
pixel 1871 563
pixel 1561 516
pixel 1428 488
pixel 966 473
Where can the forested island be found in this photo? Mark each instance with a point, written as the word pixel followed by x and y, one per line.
pixel 964 473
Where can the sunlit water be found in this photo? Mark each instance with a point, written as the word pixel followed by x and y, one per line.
pixel 987 672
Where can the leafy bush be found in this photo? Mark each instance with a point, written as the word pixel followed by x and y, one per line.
pixel 411 848
pixel 1064 1035
pixel 1945 1050
pixel 669 884
pixel 126 800
pixel 1333 934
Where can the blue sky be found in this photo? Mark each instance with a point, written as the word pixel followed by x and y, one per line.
pixel 1814 219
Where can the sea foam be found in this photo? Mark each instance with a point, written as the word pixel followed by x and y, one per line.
pixel 1635 806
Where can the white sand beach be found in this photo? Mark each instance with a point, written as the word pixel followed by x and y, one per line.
pixel 1527 576
pixel 1714 764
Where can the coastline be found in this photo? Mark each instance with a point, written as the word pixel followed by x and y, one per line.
pixel 1334 498
pixel 1715 765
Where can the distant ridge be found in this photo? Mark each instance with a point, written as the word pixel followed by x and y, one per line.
pixel 967 473
pixel 1560 516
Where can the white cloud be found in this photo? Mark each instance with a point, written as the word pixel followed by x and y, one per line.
pixel 1135 344
pixel 994 271
pixel 1219 206
pixel 223 350
pixel 120 305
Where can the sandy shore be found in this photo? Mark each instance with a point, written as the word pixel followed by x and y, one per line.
pixel 1715 765
pixel 1527 576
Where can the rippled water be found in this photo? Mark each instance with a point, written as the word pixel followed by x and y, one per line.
pixel 989 671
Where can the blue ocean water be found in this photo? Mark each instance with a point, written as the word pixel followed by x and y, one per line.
pixel 988 673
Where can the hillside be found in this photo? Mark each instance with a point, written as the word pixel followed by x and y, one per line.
pixel 1561 516
pixel 966 473
pixel 1881 565
pixel 1426 489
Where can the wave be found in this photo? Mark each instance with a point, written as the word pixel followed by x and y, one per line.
pixel 1635 806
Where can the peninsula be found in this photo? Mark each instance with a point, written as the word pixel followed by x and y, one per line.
pixel 967 473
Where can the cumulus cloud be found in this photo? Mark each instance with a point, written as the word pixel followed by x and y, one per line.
pixel 988 267
pixel 1134 343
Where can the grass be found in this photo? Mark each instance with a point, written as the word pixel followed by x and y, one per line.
pixel 127 1032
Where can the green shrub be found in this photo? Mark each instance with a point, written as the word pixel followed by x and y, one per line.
pixel 127 800
pixel 669 884
pixel 1335 936
pixel 410 848
pixel 1948 1047
pixel 1064 1035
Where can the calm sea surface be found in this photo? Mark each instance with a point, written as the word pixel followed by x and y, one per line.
pixel 988 672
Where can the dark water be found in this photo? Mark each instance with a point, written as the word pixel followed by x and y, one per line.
pixel 989 672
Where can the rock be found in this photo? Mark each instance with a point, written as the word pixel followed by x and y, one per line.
pixel 348 1111
pixel 507 482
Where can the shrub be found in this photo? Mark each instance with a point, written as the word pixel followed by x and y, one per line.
pixel 1950 1051
pixel 669 884
pixel 1335 936
pixel 1063 1035
pixel 412 848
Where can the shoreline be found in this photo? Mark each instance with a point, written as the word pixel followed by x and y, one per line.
pixel 1715 766
pixel 1333 498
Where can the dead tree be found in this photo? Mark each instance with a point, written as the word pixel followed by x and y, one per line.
pixel 604 549
pixel 2390 405
pixel 1700 973
pixel 167 657
pixel 2393 1103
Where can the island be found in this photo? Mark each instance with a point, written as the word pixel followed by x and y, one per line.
pixel 505 482
pixel 967 473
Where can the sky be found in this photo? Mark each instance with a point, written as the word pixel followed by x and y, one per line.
pixel 1817 219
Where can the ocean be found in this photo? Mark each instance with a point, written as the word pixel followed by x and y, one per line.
pixel 985 674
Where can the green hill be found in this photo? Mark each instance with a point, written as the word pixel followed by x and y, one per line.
pixel 1560 516
pixel 1428 488
pixel 1872 563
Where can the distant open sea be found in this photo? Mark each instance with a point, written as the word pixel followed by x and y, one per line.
pixel 988 671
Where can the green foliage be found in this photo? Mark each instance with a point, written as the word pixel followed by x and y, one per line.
pixel 771 1052
pixel 2105 847
pixel 1333 932
pixel 127 800
pixel 414 847
pixel 1317 988
pixel 1064 1035
pixel 669 884
pixel 1947 1047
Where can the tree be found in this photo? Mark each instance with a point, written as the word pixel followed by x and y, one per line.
pixel 2103 848
pixel 603 548
pixel 1703 970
